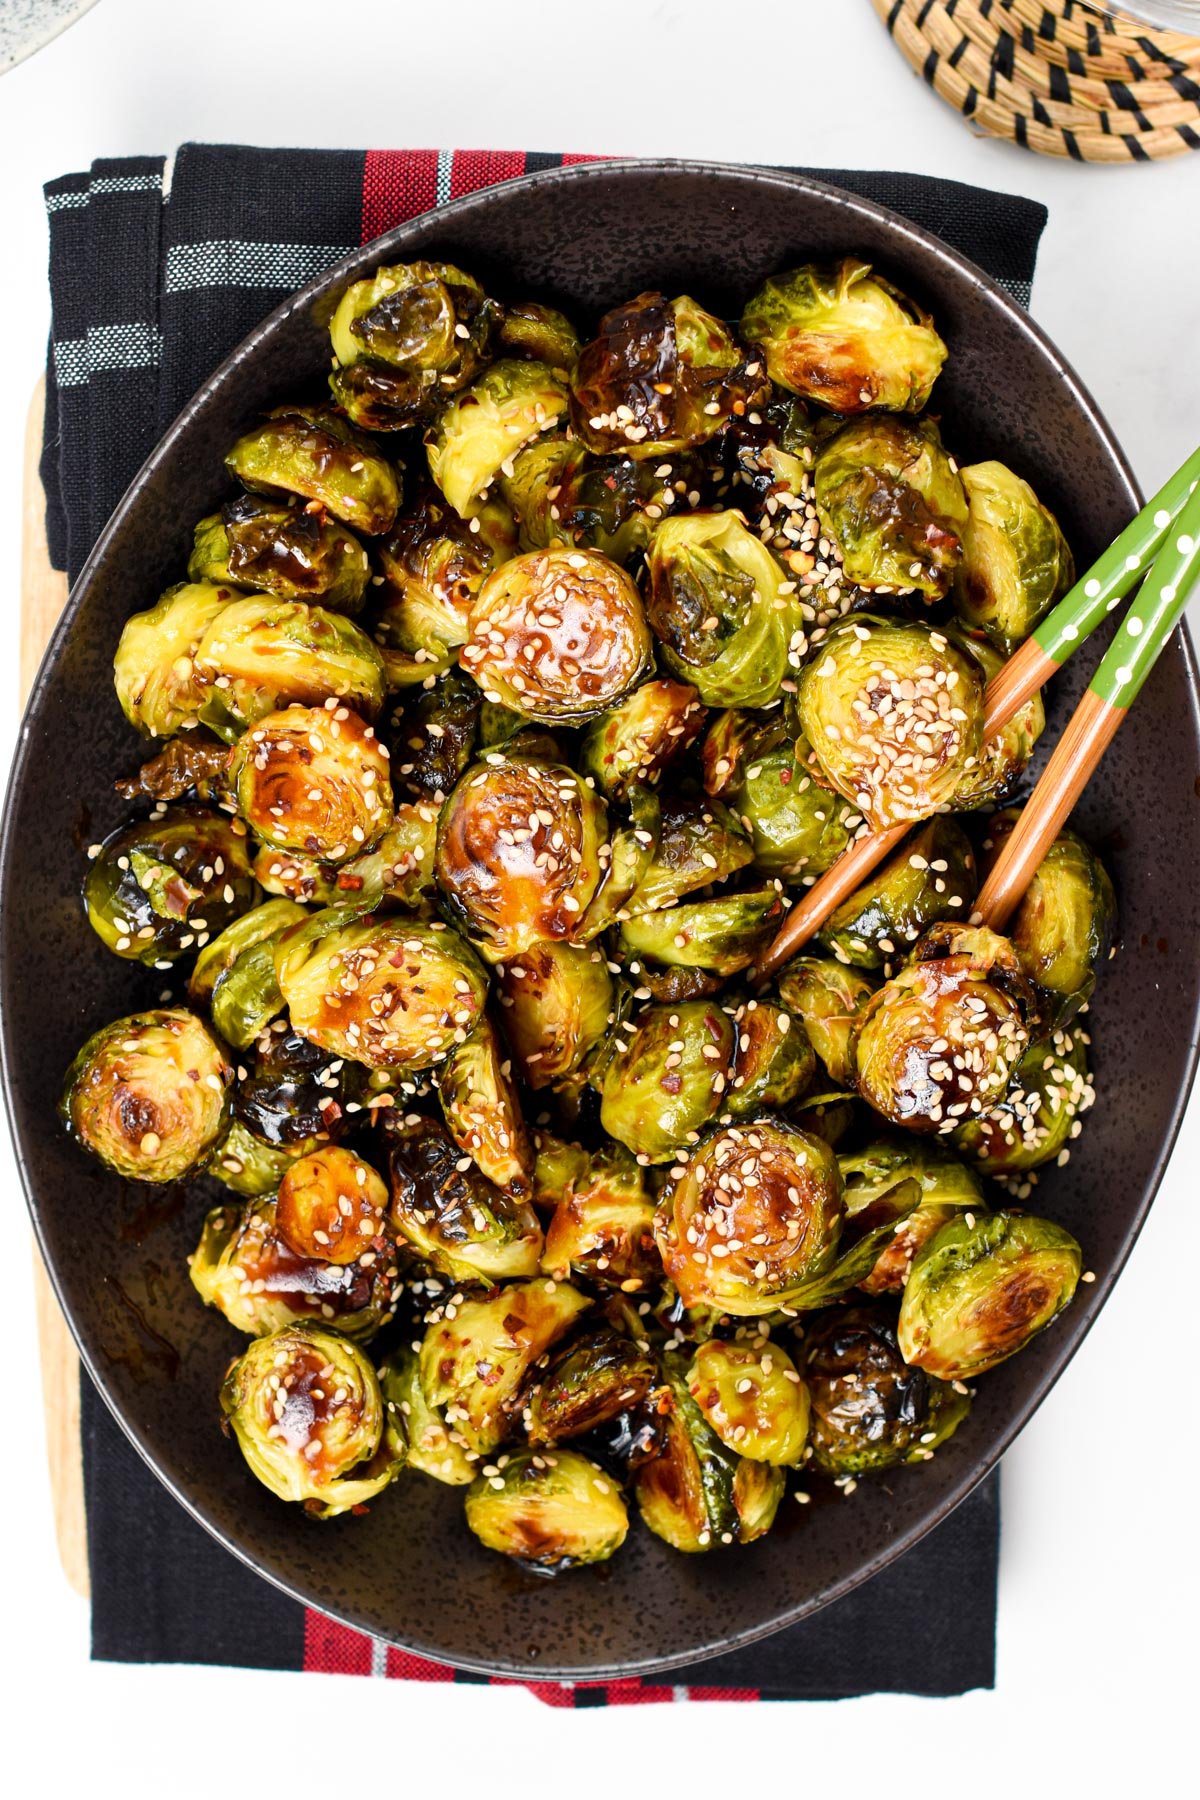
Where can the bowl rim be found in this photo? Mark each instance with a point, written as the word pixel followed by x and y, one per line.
pixel 348 267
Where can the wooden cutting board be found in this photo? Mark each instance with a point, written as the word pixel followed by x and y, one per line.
pixel 43 596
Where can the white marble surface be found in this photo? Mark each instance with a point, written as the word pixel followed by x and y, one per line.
pixel 1098 1577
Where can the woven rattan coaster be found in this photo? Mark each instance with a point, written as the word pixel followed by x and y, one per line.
pixel 1056 76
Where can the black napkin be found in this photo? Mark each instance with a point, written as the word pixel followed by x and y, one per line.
pixel 156 272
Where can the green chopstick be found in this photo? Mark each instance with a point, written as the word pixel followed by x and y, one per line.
pixel 1165 591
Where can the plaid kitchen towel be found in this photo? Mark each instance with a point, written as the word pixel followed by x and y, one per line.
pixel 157 271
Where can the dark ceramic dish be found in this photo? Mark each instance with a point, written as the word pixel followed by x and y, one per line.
pixel 410 1571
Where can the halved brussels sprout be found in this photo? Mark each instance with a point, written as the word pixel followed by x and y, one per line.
pixel 753 1397
pixel 294 1095
pixel 305 1407
pixel 158 683
pixel 660 375
pixel 602 1226
pixel 435 563
pixel 518 853
pixel 330 1202
pixel 454 1217
pixel 541 333
pixel 426 323
pixel 1004 755
pixel 845 337
pixel 600 1375
pixel 635 741
pixel 699 842
pixel 763 769
pixel 218 956
pixel 696 1494
pixel 1037 1117
pixel 557 1001
pixel 558 635
pixel 563 495
pixel 872 1174
pixel 245 1165
pixel 551 1511
pixel 1064 927
pixel 722 609
pixel 942 1038
pixel 754 1213
pixel 825 996
pixel 416 1429
pixel 434 735
pixel 398 870
pixel 981 1288
pixel 474 1366
pixel 390 993
pixel 279 547
pixel 869 1409
pixel 314 452
pixel 668 1079
pixel 236 972
pixel 259 654
pixel 773 1061
pixel 890 497
pixel 480 431
pixel 313 781
pixel 482 1110
pixel 1016 562
pixel 893 711
pixel 149 1095
pixel 723 935
pixel 161 887
pixel 930 877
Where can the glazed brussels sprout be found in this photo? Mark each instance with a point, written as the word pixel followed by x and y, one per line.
pixel 600 1375
pixel 398 869
pixel 478 434
pixel 416 1430
pixel 312 451
pixel 236 972
pixel 722 609
pixel 891 499
pixel 475 1365
pixel 825 997
pixel 543 334
pixel 159 888
pixel 563 495
pixel 294 1096
pixel 845 337
pixel 518 853
pixel 193 763
pixel 753 1397
pixel 1003 756
pixel 661 375
pixel 699 843
pixel 305 1407
pixel 981 1288
pixel 259 654
pixel 218 956
pixel 872 1175
pixel 435 563
pixel 773 1061
pixel 1039 1113
pixel 1064 927
pixel 723 935
pixel 930 877
pixel 668 1080
pixel 633 743
pixel 278 547
pixel 390 993
pixel 158 682
pixel 870 1410
pixel 550 1512
pixel 763 769
pixel 433 736
pixel 558 635
pixel 1016 562
pixel 696 1494
pixel 602 1226
pixel 313 781
pixel 426 323
pixel 329 1202
pixel 454 1217
pixel 556 1003
pixel 766 1187
pixel 482 1111
pixel 149 1095
pixel 247 1166
pixel 893 711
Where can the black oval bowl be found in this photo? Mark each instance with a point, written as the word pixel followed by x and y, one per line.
pixel 410 1571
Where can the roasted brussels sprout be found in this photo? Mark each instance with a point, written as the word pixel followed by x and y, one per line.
pixel 192 763
pixel 390 993
pixel 482 1111
pixel 158 682
pixel 558 635
pixel 1004 755
pixel 1016 562
pixel 294 1095
pixel 564 496
pixel 478 434
pixel 755 1213
pixel 247 1166
pixel 434 735
pixel 636 740
pixel 753 1397
pixel 723 935
pixel 699 842
pixel 845 337
pixel 825 997
pixel 159 888
pixel 313 781
pixel 1037 1117
pixel 722 609
pixel 149 1095
pixel 981 1288
pixel 669 1079
pixel 661 375
pixel 894 713
pixel 398 869
pixel 891 499
pixel 426 323
pixel 259 654
pixel 872 1174
pixel 602 1226
pixel 235 973
pixel 218 956
pixel 305 1407
pixel 279 547
pixel 454 1217
pixel 329 1202
pixel 416 1429
pixel 600 1375
pixel 1064 927
pixel 543 334
pixel 435 563
pixel 869 1409
pixel 764 771
pixel 556 1003
pixel 550 1512
pixel 312 451
pixel 773 1061
pixel 930 877
pixel 696 1494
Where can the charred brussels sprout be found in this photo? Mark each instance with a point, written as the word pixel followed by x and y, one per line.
pixel 1064 927
pixel 600 1375
pixel 482 1111
pixel 434 736
pixel 405 338
pixel 294 1094
pixel 773 1061
pixel 769 1188
pixel 1037 1117
pixel 1016 562
pixel 278 547
pixel 435 563
pixel 305 1407
pixel 158 888
pixel 454 1217
pixel 875 1178
pixel 930 877
pixel 309 780
pixel 330 1203
pixel 636 740
pixel 550 1512
pixel 753 1398
pixel 416 1429
pixel 159 685
pixel 313 452
pixel 721 607
pixel 540 333
pixel 698 1495
pixel 148 1095
pixel 699 843
pixel 556 1003
pixel 763 770
pixel 481 430
pixel 194 762
pixel 668 1081
pixel 563 495
pixel 723 935
pixel 845 337
pixel 558 635
pixel 602 1226
pixel 1003 756
pixel 890 497
pixel 258 655
pixel 894 713
pixel 981 1288
pixel 661 375
pixel 869 1409
pixel 825 997
pixel 389 993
